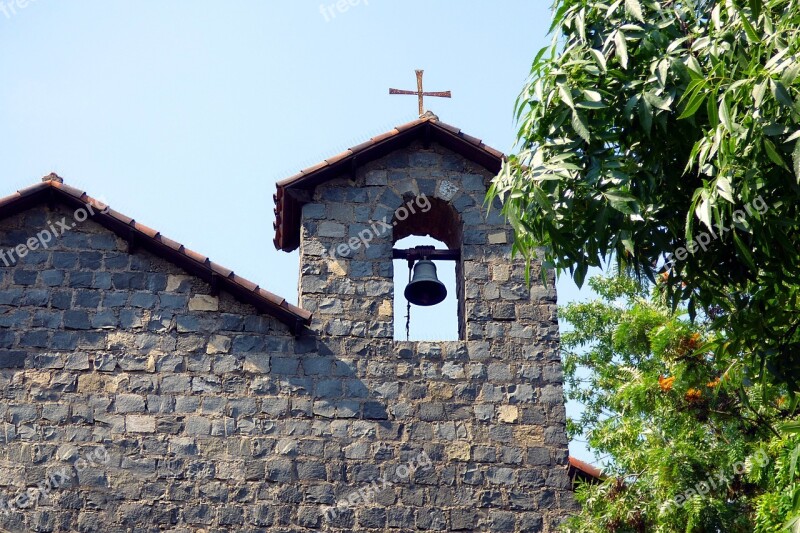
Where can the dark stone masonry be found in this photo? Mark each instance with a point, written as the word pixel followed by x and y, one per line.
pixel 137 396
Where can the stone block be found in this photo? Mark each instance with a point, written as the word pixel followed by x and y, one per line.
pixel 129 403
pixel 218 344
pixel 334 230
pixel 140 424
pixel 204 302
pixel 257 363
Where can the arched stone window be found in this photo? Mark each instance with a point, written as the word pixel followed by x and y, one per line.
pixel 434 222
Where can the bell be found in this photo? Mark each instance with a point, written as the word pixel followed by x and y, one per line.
pixel 425 288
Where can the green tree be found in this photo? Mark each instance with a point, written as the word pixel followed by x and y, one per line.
pixel 689 450
pixel 666 135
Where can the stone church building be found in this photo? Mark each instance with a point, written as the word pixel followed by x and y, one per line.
pixel 146 388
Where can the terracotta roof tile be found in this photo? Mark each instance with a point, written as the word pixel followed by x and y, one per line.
pixel 361 147
pixel 585 470
pixel 496 153
pixel 221 270
pixel 150 232
pixel 249 285
pixel 77 193
pixel 33 189
pixel 384 136
pixel 169 249
pixel 407 126
pixel 450 128
pixel 122 218
pixel 471 139
pixel 200 258
pixel 338 157
pixel 9 199
pixel 313 169
pixel 169 243
pixel 266 294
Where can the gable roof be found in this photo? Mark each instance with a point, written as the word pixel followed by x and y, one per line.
pixel 294 192
pixel 53 189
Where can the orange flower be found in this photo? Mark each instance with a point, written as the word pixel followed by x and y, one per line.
pixel 665 276
pixel 693 395
pixel 665 383
pixel 780 401
pixel 712 384
pixel 694 340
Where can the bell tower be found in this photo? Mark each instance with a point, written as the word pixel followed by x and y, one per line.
pixel 500 384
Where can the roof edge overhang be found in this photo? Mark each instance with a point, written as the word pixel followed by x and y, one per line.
pixel 583 471
pixel 140 236
pixel 294 192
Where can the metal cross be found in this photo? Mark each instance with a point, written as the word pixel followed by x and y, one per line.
pixel 420 93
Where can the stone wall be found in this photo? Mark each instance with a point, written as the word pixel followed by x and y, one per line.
pixel 136 401
pixel 501 385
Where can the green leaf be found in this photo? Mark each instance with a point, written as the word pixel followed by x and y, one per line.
pixel 580 24
pixel 620 201
pixel 703 212
pixel 566 94
pixel 600 58
pixel 790 73
pixel 662 71
pixel 755 6
pixel 612 8
pixel 759 90
pixel 752 34
pixel 792 427
pixel 590 105
pixel 634 8
pixel 724 188
pixel 694 66
pixel 580 274
pixel 781 94
pixel 627 243
pixel 774 130
pixel 725 115
pixel 793 465
pixel 592 96
pixel 713 115
pixel 796 158
pixel 558 17
pixel 746 255
pixel 580 126
pixel 646 115
pixel 621 48
pixel 693 105
pixel 773 154
pixel 715 17
pixel 660 102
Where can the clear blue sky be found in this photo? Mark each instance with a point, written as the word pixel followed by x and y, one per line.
pixel 184 114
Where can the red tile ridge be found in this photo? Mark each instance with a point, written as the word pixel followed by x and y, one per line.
pixel 339 157
pixel 9 199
